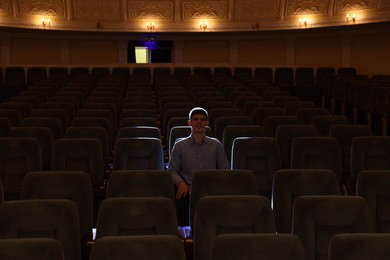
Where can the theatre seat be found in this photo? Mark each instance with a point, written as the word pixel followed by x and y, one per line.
pixel 31 248
pixel 162 247
pixel 217 215
pixel 257 246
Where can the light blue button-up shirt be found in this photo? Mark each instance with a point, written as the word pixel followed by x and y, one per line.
pixel 188 157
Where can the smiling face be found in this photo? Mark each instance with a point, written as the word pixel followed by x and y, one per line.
pixel 198 123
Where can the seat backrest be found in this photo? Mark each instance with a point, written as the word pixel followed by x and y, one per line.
pixel 307 113
pixel 96 122
pixel 228 214
pixel 285 135
pixel 251 246
pixel 373 186
pixel 325 122
pixel 138 121
pixel 317 218
pixel 344 135
pixel 139 131
pixel 317 152
pixel 31 248
pixel 72 185
pixel 362 246
pixel 265 74
pixel 260 155
pixel 140 183
pixel 369 153
pixel 96 132
pixel 44 137
pixel 288 184
pixel 292 106
pixel 136 216
pixel 53 123
pixel 220 182
pixel 260 113
pixel 221 122
pixel 18 156
pixel 35 75
pixel 79 154
pixel 270 123
pixel 54 218
pixel 5 126
pixel 138 153
pixel 164 247
pixel 231 132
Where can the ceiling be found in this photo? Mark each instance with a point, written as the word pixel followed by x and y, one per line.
pixel 188 15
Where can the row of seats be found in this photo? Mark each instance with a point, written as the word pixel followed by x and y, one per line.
pixel 317 211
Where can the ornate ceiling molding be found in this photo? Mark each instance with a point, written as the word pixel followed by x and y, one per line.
pixel 185 15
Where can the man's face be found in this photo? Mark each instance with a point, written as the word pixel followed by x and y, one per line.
pixel 198 123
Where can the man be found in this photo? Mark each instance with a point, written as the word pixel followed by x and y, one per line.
pixel 193 153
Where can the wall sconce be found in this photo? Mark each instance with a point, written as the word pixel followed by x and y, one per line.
pixel 353 19
pixel 45 23
pixel 203 25
pixel 303 22
pixel 150 27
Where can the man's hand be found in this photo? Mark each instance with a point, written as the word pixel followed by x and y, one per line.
pixel 182 190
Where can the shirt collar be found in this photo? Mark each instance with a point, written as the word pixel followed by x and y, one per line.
pixel 206 139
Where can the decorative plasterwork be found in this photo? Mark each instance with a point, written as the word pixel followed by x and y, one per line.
pixel 97 9
pixel 42 7
pixel 205 10
pixel 150 10
pixel 5 6
pixel 386 4
pixel 353 5
pixel 304 7
pixel 255 9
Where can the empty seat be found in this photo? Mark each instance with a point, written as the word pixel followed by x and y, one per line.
pixel 284 78
pixel 18 156
pixel 226 214
pixel 96 132
pixel 231 132
pixel 292 106
pixel 307 113
pixel 139 131
pixel 31 248
pixel 373 186
pixel 224 121
pixel 260 113
pixel 260 155
pixel 317 218
pixel 138 153
pixel 252 246
pixel 264 74
pixel 79 154
pixel 344 134
pixel 220 182
pixel 270 123
pixel 140 183
pixel 363 246
pixel 325 122
pixel 317 152
pixel 285 135
pixel 136 216
pixel 44 137
pixel 288 184
pixel 138 121
pixel 369 153
pixel 164 247
pixel 53 123
pixel 54 218
pixel 72 185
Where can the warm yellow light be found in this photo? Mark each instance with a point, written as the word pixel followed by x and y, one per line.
pixel 203 25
